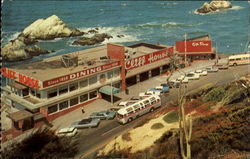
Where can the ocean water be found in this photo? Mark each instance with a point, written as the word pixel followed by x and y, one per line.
pixel 140 21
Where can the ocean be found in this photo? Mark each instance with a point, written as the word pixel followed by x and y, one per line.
pixel 139 21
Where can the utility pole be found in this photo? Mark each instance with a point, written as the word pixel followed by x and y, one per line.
pixel 112 89
pixel 185 36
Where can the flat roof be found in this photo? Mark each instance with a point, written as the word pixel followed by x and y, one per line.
pixel 20 115
pixel 53 67
pixel 142 49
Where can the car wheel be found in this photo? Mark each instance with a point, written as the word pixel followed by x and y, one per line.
pixel 235 64
pixel 130 119
pixel 151 110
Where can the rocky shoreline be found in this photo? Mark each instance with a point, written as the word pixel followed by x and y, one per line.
pixel 23 47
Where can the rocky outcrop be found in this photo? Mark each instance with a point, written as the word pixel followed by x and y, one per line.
pixel 215 5
pixel 96 39
pixel 42 29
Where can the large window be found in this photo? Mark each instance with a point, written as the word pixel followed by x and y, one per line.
pixel 63 105
pixel 63 90
pixel 92 80
pixel 92 94
pixel 116 72
pixel 74 101
pixel 53 109
pixel 110 73
pixel 73 86
pixel 84 98
pixel 52 93
pixel 84 83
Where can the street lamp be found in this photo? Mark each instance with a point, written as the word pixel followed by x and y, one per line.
pixel 185 36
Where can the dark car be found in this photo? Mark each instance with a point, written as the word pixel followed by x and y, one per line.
pixel 103 115
pixel 174 84
pixel 86 123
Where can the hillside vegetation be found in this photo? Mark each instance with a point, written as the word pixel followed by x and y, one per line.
pixel 221 126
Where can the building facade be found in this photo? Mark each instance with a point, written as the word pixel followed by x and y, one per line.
pixel 52 87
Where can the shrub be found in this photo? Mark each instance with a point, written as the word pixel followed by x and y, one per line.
pixel 157 126
pixel 215 94
pixel 126 137
pixel 171 117
pixel 42 144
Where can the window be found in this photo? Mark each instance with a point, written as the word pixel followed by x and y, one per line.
pixel 73 86
pixel 92 80
pixel 53 109
pixel 52 93
pixel 33 92
pixel 110 73
pixel 116 72
pixel 63 105
pixel 84 83
pixel 74 101
pixel 38 94
pixel 92 94
pixel 238 58
pixel 84 98
pixel 63 90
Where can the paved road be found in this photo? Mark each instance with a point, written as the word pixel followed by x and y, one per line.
pixel 92 140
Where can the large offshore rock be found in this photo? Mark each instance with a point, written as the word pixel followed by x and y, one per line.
pixel 42 29
pixel 48 29
pixel 214 6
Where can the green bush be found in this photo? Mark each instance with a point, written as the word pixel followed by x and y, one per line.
pixel 157 126
pixel 215 94
pixel 171 117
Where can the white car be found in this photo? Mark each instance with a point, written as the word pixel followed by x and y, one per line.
pixel 201 72
pixel 125 104
pixel 182 79
pixel 71 131
pixel 192 76
pixel 149 93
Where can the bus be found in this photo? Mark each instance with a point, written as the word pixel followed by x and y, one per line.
pixel 240 59
pixel 131 112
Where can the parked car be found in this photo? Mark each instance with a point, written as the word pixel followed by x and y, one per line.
pixel 212 69
pixel 86 123
pixel 71 131
pixel 165 86
pixel 103 115
pixel 192 76
pixel 125 103
pixel 222 66
pixel 182 79
pixel 149 93
pixel 135 98
pixel 160 89
pixel 201 72
pixel 174 84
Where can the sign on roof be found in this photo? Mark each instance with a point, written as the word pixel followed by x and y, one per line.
pixel 194 46
pixel 26 80
pixel 147 59
pixel 79 74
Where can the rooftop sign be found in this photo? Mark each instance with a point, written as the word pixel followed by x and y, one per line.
pixel 26 80
pixel 194 46
pixel 147 59
pixel 79 74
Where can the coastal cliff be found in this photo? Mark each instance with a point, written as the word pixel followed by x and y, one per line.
pixel 42 29
pixel 213 6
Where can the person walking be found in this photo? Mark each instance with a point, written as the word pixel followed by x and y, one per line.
pixel 83 111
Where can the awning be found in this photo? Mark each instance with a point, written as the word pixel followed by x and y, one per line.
pixel 109 90
pixel 17 86
pixel 20 115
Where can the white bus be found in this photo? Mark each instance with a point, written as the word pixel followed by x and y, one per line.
pixel 240 59
pixel 131 112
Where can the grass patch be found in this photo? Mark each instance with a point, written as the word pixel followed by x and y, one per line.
pixel 157 126
pixel 171 117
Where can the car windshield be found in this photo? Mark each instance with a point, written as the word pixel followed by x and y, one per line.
pixel 85 121
pixel 189 75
